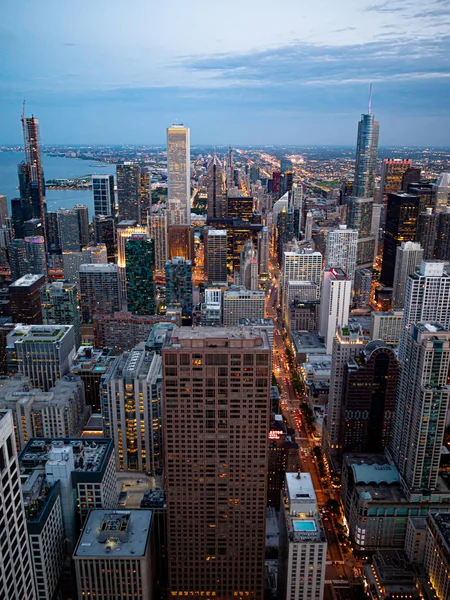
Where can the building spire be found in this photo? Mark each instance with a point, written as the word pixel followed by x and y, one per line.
pixel 370 99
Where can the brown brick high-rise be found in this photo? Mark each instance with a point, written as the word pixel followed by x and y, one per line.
pixel 216 395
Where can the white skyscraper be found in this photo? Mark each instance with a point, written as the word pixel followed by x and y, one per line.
pixel 16 573
pixel 341 250
pixel 407 261
pixel 334 304
pixel 179 175
pixel 304 265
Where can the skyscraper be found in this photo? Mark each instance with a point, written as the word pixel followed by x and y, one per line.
pixel 105 233
pixel 334 304
pixel 359 218
pixel 215 467
pixel 36 256
pixel 180 242
pixel 69 230
pixel 158 232
pixel 363 288
pixel 25 296
pixel 240 303
pixel 179 175
pixel 401 225
pixel 216 255
pixel 427 232
pixel 263 252
pixel 179 285
pixel 441 191
pixel 249 266
pixel 407 261
pixel 366 156
pixel 82 213
pixel 16 572
pixel 140 259
pixel 341 250
pixel 392 173
pixel 128 191
pixel 423 398
pixel 3 210
pixel 301 265
pixel 59 301
pixel 216 197
pixel 103 193
pixel 99 290
pixel 17 258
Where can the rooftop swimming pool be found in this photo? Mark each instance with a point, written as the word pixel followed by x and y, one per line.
pixel 304 526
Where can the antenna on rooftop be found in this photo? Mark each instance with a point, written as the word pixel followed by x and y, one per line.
pixel 370 99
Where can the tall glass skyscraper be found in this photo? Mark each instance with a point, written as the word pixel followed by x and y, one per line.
pixel 366 157
pixel 179 175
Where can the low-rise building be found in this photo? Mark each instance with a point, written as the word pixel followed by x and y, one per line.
pixel 306 343
pixel 390 576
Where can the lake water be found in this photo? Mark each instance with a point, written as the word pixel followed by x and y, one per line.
pixel 54 168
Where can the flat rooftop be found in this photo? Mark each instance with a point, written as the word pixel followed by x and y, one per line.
pixel 442 522
pixel 257 322
pixel 89 454
pixel 26 280
pixel 307 341
pixel 115 534
pixel 299 486
pixel 218 336
pixel 37 333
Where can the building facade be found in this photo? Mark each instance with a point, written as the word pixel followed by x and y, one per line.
pixel 179 175
pixel 103 193
pixel 99 290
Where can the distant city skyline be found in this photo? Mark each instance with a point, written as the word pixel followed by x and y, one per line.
pixel 303 79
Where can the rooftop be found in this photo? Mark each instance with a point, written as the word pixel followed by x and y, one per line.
pixel 89 359
pixel 115 534
pixel 38 333
pixel 89 454
pixel 442 522
pixel 27 280
pixel 308 341
pixel 219 337
pixel 299 487
pixel 257 322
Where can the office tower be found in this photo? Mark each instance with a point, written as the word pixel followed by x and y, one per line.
pixel 285 165
pixel 216 196
pixel 437 554
pixel 85 470
pixel 348 342
pixel 363 288
pixel 392 176
pixel 359 218
pixel 95 255
pixel 263 252
pixel 211 310
pixel 145 186
pixel 303 545
pixel 131 393
pixel 309 222
pixel 17 258
pixel 158 232
pixel 283 457
pixel 25 297
pixel 180 242
pixel 99 290
pixel 254 173
pixel 216 255
pixel 16 572
pixel 90 365
pixel 425 191
pixel 36 255
pixel 60 412
pixel 441 192
pixel 105 233
pixel 240 303
pixel 427 231
pixel 366 156
pixel 69 230
pixel 284 229
pixel 401 225
pixel 59 301
pixel 179 285
pixel 44 353
pixel 334 304
pixel 103 193
pixel 423 398
pixel 341 250
pixel 240 207
pixel 442 247
pixel 368 403
pixel 140 260
pixel 276 179
pixel 32 228
pixel 72 262
pixel 82 213
pixel 3 210
pixel 102 572
pixel 217 546
pixel 125 230
pixel 249 267
pixel 53 239
pixel 128 192
pixel 408 259
pixel 18 216
pixel 179 175
pixel 31 173
pixel 410 176
pixel 301 265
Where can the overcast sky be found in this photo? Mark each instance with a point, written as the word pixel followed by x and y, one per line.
pixel 235 72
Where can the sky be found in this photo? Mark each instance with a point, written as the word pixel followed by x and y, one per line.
pixel 294 72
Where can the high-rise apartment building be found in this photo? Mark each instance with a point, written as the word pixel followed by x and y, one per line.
pixel 82 213
pixel 25 297
pixel 363 288
pixel 335 301
pixel 387 326
pixel 36 255
pixel 216 195
pixel 303 545
pixel 211 309
pixel 105 233
pixel 179 285
pixel 158 232
pixel 360 218
pixel 99 290
pixel 341 250
pixel 437 554
pixel 52 230
pixel 442 247
pixel 113 556
pixel 401 226
pixel 95 255
pixel 366 156
pixel 44 353
pixel 17 258
pixel 303 265
pixel 216 255
pixel 240 303
pixel 72 262
pixel 145 186
pixel 263 252
pixel 423 398
pixel 248 272
pixel 103 193
pixel 392 173
pixel 90 365
pixel 3 210
pixel 441 192
pixel 180 242
pixel 215 466
pixel 131 394
pixel 408 259
pixel 140 260
pixel 16 571
pixel 69 230
pixel 59 302
pixel 179 175
pixel 427 231
pixel 128 191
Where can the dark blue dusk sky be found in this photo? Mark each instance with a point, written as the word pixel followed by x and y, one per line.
pixel 238 71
